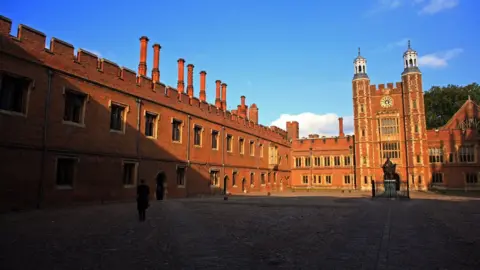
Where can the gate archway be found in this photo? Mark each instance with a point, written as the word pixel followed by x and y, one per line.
pixel 160 186
pixel 225 184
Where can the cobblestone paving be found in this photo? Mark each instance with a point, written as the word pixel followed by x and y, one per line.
pixel 301 232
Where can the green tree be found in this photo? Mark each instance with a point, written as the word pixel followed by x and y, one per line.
pixel 441 103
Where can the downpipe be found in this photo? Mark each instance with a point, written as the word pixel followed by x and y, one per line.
pixel 188 152
pixel 139 119
pixel 44 139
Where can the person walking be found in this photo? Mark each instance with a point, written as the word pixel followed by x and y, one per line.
pixel 143 191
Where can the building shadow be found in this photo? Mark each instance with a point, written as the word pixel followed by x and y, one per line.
pixel 103 161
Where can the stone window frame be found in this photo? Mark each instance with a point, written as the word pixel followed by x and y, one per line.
pixel 181 126
pixel 126 108
pixel 84 109
pixel 71 157
pixel 135 175
pixel 155 128
pixel 202 130
pixel 30 88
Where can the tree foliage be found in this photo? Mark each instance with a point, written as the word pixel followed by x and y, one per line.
pixel 441 103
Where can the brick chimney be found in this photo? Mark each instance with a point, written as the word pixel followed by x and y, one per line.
pixel 156 63
pixel 142 66
pixel 242 111
pixel 340 127
pixel 224 96
pixel 218 101
pixel 292 130
pixel 203 94
pixel 190 80
pixel 181 75
pixel 253 113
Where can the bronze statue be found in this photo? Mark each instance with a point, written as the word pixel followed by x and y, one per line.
pixel 389 170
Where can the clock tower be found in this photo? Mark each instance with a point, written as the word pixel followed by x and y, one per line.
pixel 415 124
pixel 389 122
pixel 362 113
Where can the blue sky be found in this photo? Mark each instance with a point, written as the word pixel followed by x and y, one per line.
pixel 293 58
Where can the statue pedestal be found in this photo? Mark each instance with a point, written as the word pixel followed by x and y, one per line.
pixel 390 187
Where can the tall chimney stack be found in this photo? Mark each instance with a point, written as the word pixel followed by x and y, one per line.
pixel 218 101
pixel 156 63
pixel 340 127
pixel 203 94
pixel 242 101
pixel 190 80
pixel 142 66
pixel 224 96
pixel 181 75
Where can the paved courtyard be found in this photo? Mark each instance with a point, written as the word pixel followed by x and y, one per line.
pixel 303 232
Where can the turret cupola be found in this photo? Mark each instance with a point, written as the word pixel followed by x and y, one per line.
pixel 410 60
pixel 360 67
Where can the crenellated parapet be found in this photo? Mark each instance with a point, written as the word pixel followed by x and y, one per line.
pixel 380 89
pixel 318 142
pixel 30 45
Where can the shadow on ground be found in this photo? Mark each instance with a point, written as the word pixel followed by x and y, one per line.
pixel 249 232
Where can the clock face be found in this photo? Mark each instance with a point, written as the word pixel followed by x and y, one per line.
pixel 386 102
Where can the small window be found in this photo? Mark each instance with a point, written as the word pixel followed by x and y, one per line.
pixel 241 146
pixel 214 178
pixel 416 128
pixel 252 179
pixel 234 178
pixel 298 162
pixel 197 135
pixel 261 150
pixel 176 130
pixel 129 173
pixel 214 139
pixel 252 148
pixel 117 117
pixel 450 157
pixel 274 177
pixel 346 179
pixel 336 161
pixel 65 171
pixel 150 124
pixel 74 107
pixel 229 143
pixel 181 176
pixel 305 179
pixel 471 178
pixel 262 179
pixel 414 104
pixel 13 93
pixel 363 132
pixel 419 179
pixel 328 179
pixel 365 180
pixel 307 161
pixel 346 160
pixel 437 178
pixel 326 161
pixel 362 108
pixel 316 161
pixel 418 159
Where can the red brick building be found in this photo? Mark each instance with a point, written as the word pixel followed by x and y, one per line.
pixel 389 121
pixel 78 128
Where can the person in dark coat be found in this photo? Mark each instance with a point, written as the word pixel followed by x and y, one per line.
pixel 143 191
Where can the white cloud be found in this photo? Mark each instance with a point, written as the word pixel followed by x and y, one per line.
pixel 310 123
pixel 429 6
pixel 435 6
pixel 439 59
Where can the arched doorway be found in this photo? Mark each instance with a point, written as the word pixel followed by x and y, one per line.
pixel 160 188
pixel 244 185
pixel 397 181
pixel 225 184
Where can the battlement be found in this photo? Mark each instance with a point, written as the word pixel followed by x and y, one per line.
pixel 30 45
pixel 380 88
pixel 318 142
